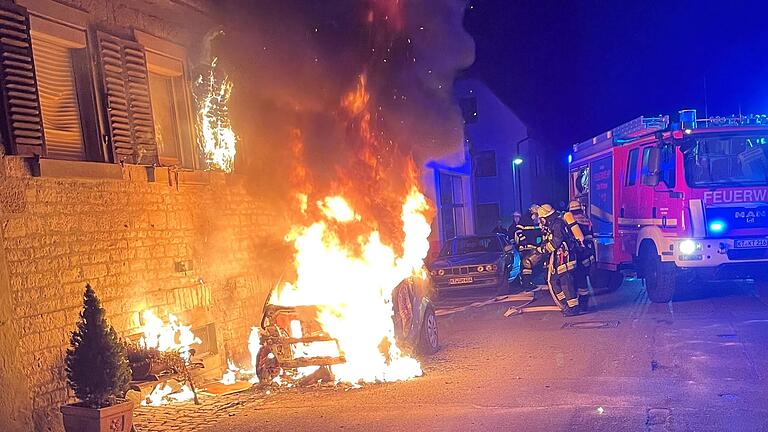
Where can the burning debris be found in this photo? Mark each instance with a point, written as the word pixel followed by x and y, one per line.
pixel 164 353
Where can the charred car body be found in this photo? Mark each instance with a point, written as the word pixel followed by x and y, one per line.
pixel 287 331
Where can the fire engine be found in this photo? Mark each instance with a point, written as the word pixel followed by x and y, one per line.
pixel 677 201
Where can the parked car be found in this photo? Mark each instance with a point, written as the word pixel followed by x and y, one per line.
pixel 476 262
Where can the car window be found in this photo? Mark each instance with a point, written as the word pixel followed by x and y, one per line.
pixel 477 244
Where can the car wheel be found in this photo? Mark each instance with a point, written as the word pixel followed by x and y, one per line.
pixel 504 288
pixel 267 368
pixel 659 276
pixel 429 341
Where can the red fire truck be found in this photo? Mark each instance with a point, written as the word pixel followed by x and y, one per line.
pixel 677 201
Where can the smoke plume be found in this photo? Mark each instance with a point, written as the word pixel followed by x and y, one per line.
pixel 341 95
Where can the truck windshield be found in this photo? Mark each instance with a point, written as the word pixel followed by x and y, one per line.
pixel 726 161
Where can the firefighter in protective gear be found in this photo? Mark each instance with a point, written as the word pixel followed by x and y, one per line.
pixel 585 254
pixel 532 257
pixel 561 245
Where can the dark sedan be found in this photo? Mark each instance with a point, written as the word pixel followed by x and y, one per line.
pixel 486 261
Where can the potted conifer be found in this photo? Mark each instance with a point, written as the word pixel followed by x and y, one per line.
pixel 98 372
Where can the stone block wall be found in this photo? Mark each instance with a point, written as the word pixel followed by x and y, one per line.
pixel 194 244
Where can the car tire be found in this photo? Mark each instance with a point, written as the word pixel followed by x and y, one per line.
pixel 429 341
pixel 660 278
pixel 504 288
pixel 267 367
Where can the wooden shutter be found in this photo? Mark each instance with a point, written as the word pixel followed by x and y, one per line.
pixel 126 94
pixel 58 100
pixel 22 126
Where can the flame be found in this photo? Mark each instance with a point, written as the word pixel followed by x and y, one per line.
pixel 352 286
pixel 170 336
pixel 230 376
pixel 163 394
pixel 218 141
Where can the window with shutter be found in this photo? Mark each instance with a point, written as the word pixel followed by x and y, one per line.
pixel 56 86
pixel 22 127
pixel 125 91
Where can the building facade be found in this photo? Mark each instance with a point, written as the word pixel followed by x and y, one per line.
pixel 509 169
pixel 102 182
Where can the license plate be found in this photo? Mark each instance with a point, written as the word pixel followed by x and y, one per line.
pixel 751 243
pixel 461 280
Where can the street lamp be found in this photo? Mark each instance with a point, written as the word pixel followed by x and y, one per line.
pixel 515 162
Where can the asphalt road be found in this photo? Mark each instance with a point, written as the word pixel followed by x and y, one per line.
pixel 698 364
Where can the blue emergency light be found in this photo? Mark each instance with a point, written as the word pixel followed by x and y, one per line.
pixel 717 226
pixel 570 158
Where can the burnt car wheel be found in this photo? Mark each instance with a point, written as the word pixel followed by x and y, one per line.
pixel 267 368
pixel 429 341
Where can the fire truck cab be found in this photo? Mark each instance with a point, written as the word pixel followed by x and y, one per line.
pixel 675 201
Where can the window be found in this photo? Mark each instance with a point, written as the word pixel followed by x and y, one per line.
pixel 667 165
pixel 64 85
pixel 644 170
pixel 632 167
pixel 451 205
pixel 171 108
pixel 485 164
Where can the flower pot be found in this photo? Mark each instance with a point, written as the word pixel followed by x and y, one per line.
pixel 115 418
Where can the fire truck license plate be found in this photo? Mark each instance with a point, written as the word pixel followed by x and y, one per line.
pixel 461 280
pixel 751 243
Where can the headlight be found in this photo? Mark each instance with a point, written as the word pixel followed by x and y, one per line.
pixel 441 272
pixel 491 267
pixel 480 269
pixel 433 273
pixel 688 247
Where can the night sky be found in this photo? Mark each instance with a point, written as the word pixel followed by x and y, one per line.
pixel 574 69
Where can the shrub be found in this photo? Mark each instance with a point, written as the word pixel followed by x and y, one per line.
pixel 96 362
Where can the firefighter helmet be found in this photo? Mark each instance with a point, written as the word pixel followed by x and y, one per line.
pixel 545 210
pixel 516 213
pixel 534 209
pixel 575 206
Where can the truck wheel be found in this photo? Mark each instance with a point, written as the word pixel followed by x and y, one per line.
pixel 605 281
pixel 429 341
pixel 659 276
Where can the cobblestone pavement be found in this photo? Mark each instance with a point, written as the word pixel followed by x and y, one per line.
pixel 188 417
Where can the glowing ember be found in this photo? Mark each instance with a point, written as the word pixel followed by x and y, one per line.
pixel 218 140
pixel 170 336
pixel 353 289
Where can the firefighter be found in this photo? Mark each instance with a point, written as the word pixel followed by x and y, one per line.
pixel 533 257
pixel 560 243
pixel 585 254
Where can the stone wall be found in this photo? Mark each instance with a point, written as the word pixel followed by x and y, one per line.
pixel 194 244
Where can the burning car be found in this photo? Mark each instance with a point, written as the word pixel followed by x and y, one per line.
pixel 487 261
pixel 293 340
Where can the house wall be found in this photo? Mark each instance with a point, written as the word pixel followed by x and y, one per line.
pixel 199 246
pixel 495 127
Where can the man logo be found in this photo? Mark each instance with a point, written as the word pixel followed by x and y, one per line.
pixel 749 214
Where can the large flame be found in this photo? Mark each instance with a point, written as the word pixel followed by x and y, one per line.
pixel 218 140
pixel 167 336
pixel 352 286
